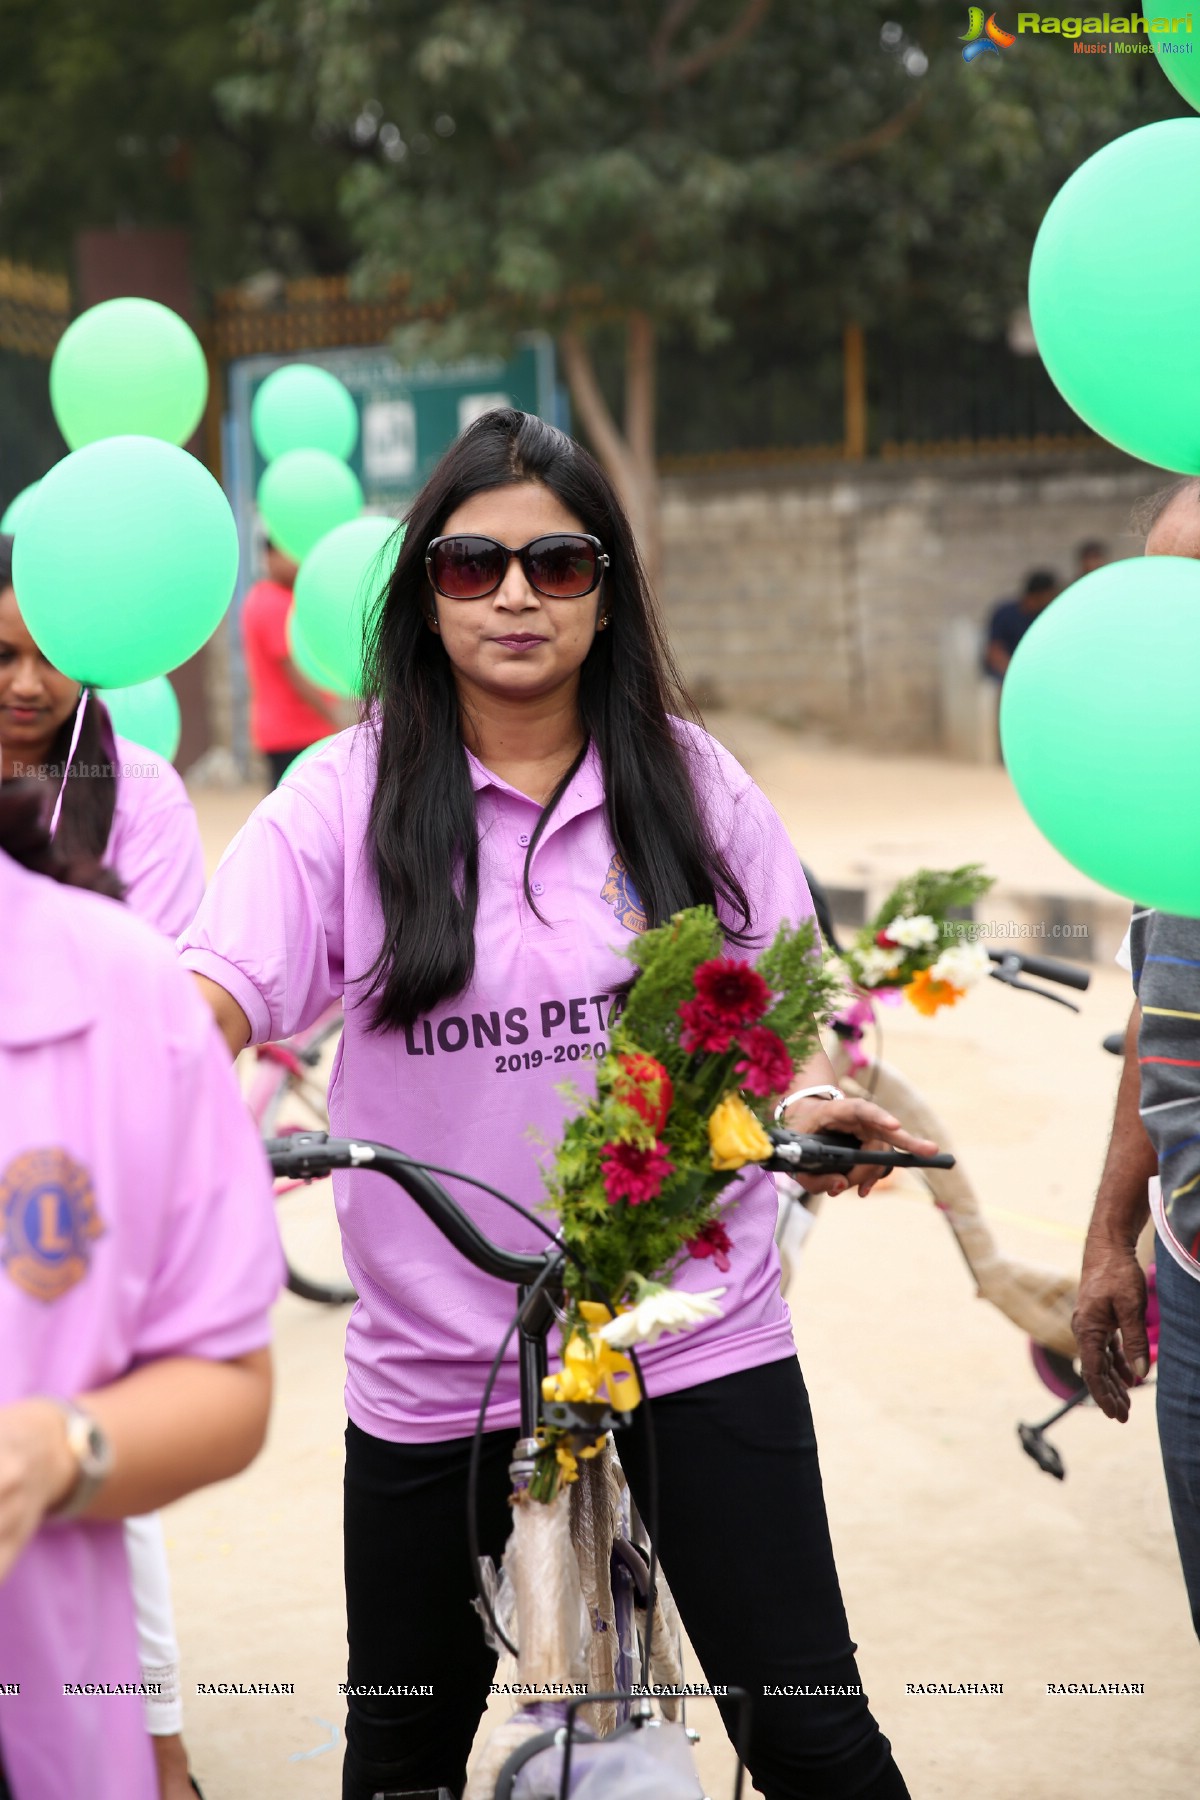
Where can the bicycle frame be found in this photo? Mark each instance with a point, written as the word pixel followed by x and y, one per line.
pixel 538 1278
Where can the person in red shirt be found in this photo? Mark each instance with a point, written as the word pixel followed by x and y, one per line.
pixel 287 711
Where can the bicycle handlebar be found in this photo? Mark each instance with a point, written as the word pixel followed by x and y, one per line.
pixel 311 1155
pixel 1046 968
pixel 836 1153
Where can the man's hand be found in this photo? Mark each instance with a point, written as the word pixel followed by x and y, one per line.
pixel 1110 1312
pixel 37 1471
pixel 874 1128
pixel 1109 1323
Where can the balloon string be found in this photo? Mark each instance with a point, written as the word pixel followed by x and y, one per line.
pixel 75 731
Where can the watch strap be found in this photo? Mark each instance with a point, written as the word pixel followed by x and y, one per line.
pixel 92 1452
pixel 825 1091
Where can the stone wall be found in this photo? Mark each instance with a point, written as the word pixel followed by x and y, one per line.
pixel 824 597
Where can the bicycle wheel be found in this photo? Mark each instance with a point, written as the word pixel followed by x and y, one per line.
pixel 308 1226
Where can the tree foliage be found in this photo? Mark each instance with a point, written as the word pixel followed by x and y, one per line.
pixel 697 169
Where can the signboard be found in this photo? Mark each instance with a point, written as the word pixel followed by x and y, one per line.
pixel 407 414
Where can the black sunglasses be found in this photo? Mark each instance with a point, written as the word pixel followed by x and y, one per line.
pixel 565 565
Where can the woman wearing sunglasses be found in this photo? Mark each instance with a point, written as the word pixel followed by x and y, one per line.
pixel 464 866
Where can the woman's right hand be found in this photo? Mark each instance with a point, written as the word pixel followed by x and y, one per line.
pixel 37 1472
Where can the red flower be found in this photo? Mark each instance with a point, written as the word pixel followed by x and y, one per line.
pixel 884 941
pixel 703 1030
pixel 632 1174
pixel 732 992
pixel 768 1067
pixel 712 1240
pixel 644 1085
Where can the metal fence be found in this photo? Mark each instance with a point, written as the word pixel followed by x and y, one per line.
pixel 767 397
pixel 770 399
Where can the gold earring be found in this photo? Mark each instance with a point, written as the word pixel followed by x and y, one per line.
pixel 601 623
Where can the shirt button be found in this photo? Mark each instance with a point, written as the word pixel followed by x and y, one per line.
pixel 524 838
pixel 539 887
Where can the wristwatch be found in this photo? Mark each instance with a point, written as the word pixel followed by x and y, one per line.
pixel 826 1091
pixel 91 1450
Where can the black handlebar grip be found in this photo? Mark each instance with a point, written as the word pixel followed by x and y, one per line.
pixel 1047 968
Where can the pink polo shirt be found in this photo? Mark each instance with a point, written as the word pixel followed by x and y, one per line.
pixel 154 844
pixel 136 1222
pixel 292 916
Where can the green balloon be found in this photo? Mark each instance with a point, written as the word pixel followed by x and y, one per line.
pixel 1101 732
pixel 301 407
pixel 305 494
pixel 1113 285
pixel 1182 69
pixel 306 662
pixel 310 750
pixel 125 561
pixel 147 714
pixel 16 508
pixel 128 367
pixel 338 584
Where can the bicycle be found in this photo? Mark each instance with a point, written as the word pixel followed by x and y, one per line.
pixel 287 1093
pixel 1038 1301
pixel 583 1543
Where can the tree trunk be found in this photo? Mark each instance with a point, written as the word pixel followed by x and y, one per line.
pixel 628 456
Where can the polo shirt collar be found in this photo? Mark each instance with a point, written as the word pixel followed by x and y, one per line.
pixel 585 793
pixel 45 993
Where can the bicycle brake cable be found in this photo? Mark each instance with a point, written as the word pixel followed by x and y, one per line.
pixel 515 1206
pixel 651 1521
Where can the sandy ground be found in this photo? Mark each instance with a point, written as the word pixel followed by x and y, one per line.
pixel 960 1561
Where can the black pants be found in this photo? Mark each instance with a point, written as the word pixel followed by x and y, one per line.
pixel 744 1545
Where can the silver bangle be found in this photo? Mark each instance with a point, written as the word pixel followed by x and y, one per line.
pixel 825 1092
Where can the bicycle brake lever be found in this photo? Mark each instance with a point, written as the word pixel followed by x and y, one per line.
pixel 1012 978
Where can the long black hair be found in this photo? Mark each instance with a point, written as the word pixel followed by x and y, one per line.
pixel 423 827
pixel 25 836
pixel 90 799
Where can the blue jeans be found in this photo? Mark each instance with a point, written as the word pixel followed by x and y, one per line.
pixel 1179 1411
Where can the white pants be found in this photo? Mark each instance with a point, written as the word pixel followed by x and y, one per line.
pixel 158 1651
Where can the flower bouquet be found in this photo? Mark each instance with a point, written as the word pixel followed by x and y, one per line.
pixel 913 948
pixel 703 1047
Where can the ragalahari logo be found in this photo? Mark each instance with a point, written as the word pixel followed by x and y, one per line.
pixel 981 37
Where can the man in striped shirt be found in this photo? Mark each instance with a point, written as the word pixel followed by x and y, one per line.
pixel 1153 1169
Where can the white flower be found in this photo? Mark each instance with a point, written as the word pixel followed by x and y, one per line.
pixel 913 933
pixel 876 964
pixel 662 1309
pixel 962 965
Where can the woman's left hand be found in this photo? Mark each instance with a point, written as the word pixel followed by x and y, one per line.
pixel 874 1128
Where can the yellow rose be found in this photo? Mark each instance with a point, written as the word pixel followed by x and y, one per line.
pixel 735 1135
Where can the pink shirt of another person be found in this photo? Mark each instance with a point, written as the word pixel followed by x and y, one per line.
pixel 136 1223
pixel 154 845
pixel 292 915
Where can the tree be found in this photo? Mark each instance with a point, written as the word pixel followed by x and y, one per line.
pixel 113 112
pixel 639 169
pixel 668 166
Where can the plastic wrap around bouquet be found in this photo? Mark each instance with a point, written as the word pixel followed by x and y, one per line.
pixel 704 1046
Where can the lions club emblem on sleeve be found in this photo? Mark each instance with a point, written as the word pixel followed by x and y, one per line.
pixel 48 1223
pixel 622 896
